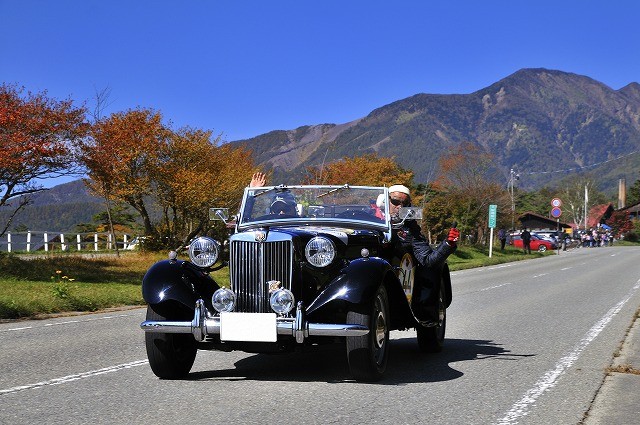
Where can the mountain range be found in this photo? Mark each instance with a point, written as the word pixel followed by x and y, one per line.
pixel 545 124
pixel 542 123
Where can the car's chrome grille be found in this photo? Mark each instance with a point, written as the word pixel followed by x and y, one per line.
pixel 252 265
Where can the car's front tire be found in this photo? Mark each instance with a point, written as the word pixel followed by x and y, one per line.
pixel 542 248
pixel 171 356
pixel 368 354
pixel 431 339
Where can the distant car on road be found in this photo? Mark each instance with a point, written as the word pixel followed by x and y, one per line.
pixel 537 243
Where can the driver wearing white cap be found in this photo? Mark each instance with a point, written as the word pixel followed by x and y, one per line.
pixel 409 238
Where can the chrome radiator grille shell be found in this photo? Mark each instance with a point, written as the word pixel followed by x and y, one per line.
pixel 252 264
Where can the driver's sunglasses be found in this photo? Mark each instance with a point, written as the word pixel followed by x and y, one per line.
pixel 396 202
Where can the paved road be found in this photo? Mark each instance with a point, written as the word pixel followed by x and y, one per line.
pixel 527 342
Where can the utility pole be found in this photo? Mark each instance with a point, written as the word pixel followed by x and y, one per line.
pixel 513 176
pixel 586 211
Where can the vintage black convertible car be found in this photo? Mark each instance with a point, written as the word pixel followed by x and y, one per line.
pixel 308 265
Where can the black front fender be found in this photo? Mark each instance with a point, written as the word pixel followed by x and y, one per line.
pixel 176 281
pixel 357 283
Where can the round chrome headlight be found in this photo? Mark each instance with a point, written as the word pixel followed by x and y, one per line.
pixel 282 301
pixel 203 252
pixel 320 251
pixel 223 300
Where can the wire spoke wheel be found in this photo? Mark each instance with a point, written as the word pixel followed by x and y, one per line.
pixel 431 339
pixel 368 354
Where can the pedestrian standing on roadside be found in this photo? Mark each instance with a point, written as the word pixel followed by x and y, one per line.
pixel 502 235
pixel 526 241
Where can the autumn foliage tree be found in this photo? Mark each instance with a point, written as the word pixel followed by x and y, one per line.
pixel 365 170
pixel 465 191
pixel 121 158
pixel 134 158
pixel 37 139
pixel 620 223
pixel 194 174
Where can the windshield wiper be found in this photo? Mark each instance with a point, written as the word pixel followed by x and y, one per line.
pixel 277 188
pixel 346 186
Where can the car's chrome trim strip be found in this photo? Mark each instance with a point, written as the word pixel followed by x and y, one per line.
pixel 202 325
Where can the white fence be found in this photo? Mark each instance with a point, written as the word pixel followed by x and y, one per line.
pixel 33 241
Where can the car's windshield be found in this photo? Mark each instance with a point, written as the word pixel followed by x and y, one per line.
pixel 294 204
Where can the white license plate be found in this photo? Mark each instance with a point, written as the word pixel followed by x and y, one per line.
pixel 255 327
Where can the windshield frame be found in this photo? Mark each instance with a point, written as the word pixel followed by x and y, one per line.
pixel 384 226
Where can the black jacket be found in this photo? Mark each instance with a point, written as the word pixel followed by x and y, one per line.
pixel 409 237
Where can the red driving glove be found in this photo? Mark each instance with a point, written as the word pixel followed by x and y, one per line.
pixel 454 235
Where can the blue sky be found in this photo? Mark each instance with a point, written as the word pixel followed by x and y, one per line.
pixel 243 68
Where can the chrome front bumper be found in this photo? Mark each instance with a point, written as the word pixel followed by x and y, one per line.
pixel 203 325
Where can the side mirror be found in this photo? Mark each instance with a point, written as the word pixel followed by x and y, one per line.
pixel 407 213
pixel 219 214
pixel 410 213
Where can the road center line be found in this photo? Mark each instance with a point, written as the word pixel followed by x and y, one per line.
pixel 550 378
pixel 501 266
pixel 497 286
pixel 76 377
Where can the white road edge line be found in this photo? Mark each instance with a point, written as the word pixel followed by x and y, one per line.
pixel 549 379
pixel 68 322
pixel 71 378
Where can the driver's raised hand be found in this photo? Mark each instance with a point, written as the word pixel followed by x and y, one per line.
pixel 258 180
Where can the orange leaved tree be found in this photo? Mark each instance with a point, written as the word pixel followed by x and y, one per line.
pixel 121 158
pixel 194 174
pixel 465 182
pixel 365 170
pixel 37 139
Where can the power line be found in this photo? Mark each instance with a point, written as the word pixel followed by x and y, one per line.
pixel 582 167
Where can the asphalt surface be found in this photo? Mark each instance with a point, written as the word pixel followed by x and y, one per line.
pixel 93 368
pixel 618 401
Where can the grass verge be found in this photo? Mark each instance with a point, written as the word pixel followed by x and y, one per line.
pixel 36 285
pixel 468 257
pixel 56 283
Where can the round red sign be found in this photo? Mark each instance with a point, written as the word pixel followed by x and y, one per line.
pixel 556 212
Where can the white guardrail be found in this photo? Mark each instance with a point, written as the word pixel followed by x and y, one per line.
pixel 34 241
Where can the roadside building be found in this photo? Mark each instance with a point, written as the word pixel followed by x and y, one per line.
pixel 538 223
pixel 599 214
pixel 633 211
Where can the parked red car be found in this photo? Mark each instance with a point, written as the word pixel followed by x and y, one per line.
pixel 537 243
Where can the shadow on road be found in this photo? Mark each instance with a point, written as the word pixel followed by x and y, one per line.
pixel 329 364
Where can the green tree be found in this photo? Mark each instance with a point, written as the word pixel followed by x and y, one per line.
pixel 576 191
pixel 633 194
pixel 537 201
